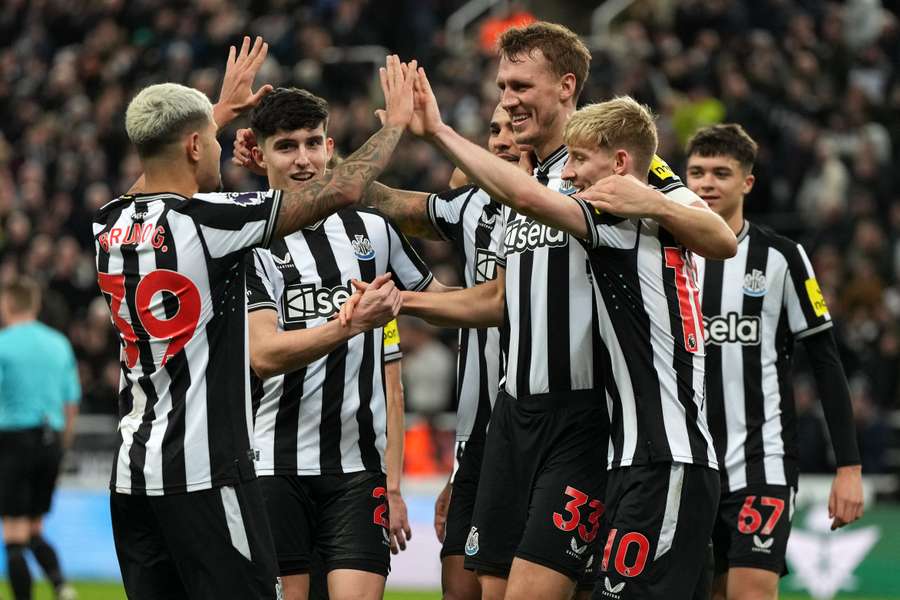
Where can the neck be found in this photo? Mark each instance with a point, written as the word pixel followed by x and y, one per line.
pixel 169 177
pixel 556 137
pixel 17 319
pixel 736 219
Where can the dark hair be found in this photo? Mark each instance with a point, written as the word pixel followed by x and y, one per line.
pixel 726 139
pixel 562 48
pixel 24 295
pixel 288 109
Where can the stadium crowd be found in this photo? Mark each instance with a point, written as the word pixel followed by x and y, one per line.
pixel 816 83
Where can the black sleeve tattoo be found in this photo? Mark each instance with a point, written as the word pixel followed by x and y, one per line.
pixel 341 187
pixel 409 210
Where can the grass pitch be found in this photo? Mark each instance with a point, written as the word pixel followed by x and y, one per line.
pixel 88 590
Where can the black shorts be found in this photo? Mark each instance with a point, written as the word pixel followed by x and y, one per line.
pixel 343 517
pixel 469 455
pixel 210 544
pixel 29 466
pixel 656 531
pixel 541 488
pixel 752 528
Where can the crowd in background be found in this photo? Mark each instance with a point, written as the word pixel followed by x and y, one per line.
pixel 817 84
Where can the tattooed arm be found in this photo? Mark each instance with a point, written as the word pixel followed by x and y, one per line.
pixel 338 188
pixel 348 181
pixel 409 210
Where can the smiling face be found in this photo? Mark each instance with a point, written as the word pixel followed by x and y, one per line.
pixel 588 165
pixel 502 141
pixel 722 182
pixel 535 98
pixel 294 157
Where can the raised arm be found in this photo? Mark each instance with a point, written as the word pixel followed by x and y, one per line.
pixel 502 180
pixel 687 217
pixel 346 184
pixel 409 210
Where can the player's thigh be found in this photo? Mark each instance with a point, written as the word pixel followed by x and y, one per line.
pixel 292 516
pixel 720 587
pixel 462 500
pixel 352 584
pixel 220 541
pixel 352 527
pixel 295 587
pixel 752 584
pixel 564 514
pixel 493 587
pixel 45 474
pixel 456 582
pixel 532 580
pixel 753 528
pixel 147 567
pixel 16 465
pixel 501 501
pixel 657 531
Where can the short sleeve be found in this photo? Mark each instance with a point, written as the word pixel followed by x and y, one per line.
pixel 803 300
pixel 72 383
pixel 231 222
pixel 392 342
pixel 606 230
pixel 260 291
pixel 445 211
pixel 408 270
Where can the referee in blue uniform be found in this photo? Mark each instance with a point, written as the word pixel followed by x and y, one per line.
pixel 39 395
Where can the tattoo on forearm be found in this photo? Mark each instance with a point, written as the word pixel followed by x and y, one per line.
pixel 408 210
pixel 341 187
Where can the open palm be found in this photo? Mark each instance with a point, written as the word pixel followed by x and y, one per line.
pixel 426 119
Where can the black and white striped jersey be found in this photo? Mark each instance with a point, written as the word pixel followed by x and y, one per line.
pixel 652 330
pixel 330 416
pixel 172 272
pixel 550 335
pixel 755 305
pixel 469 219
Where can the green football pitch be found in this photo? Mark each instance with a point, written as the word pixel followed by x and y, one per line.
pixel 111 591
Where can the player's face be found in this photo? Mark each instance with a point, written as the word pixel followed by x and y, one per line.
pixel 502 141
pixel 530 93
pixel 292 158
pixel 586 166
pixel 720 180
pixel 209 174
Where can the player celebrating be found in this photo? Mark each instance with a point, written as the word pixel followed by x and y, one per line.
pixel 323 433
pixel 660 453
pixel 756 305
pixel 188 516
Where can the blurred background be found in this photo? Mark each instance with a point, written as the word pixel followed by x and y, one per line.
pixel 816 83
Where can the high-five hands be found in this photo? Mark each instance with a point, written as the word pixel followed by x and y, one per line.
pixel 237 95
pixel 397 81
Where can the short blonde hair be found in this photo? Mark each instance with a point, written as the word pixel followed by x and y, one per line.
pixel 160 113
pixel 618 123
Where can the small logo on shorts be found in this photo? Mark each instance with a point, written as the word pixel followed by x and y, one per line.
pixel 472 542
pixel 762 546
pixel 576 551
pixel 589 565
pixel 610 590
pixel 279 589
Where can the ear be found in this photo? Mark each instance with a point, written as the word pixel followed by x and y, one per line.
pixel 749 180
pixel 567 87
pixel 193 147
pixel 257 156
pixel 329 148
pixel 622 162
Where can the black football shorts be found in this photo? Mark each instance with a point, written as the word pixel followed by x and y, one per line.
pixel 656 530
pixel 752 528
pixel 344 517
pixel 540 496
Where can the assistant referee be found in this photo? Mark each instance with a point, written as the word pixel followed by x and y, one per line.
pixel 39 395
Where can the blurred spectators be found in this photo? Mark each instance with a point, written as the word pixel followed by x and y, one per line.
pixel 816 83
